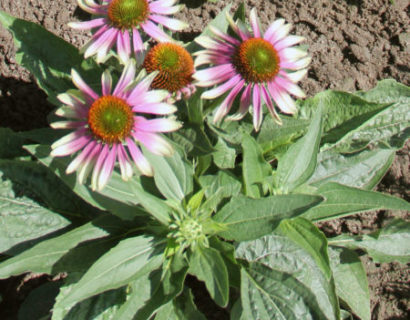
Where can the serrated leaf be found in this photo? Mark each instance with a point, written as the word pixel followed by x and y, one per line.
pixel 298 164
pixel 173 176
pixel 193 140
pixel 388 244
pixel 268 294
pixel 130 259
pixel 22 219
pixel 43 257
pixel 341 201
pixel 351 281
pixel 224 156
pixel 310 238
pixel 247 218
pixel 281 253
pixel 363 170
pixel 254 167
pixel 208 266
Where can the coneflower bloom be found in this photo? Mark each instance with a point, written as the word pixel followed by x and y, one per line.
pixel 119 22
pixel 260 67
pixel 175 68
pixel 111 126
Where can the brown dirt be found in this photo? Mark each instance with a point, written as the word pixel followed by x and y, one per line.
pixel 353 43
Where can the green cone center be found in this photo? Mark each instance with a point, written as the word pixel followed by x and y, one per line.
pixel 125 14
pixel 256 60
pixel 110 119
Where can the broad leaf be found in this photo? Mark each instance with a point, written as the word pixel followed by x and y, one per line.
pixel 298 164
pixel 11 144
pixel 48 57
pixel 193 140
pixel 208 266
pixel 185 308
pixel 282 254
pixel 254 167
pixel 129 260
pixel 116 197
pixel 225 155
pixel 44 256
pixel 268 294
pixel 341 201
pixel 22 219
pixel 351 281
pixel 173 176
pixel 362 170
pixel 247 218
pixel 272 135
pixel 310 238
pixel 391 243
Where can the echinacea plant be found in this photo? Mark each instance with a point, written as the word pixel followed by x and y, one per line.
pixel 129 218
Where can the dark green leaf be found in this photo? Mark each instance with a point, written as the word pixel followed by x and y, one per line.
pixel 193 140
pixel 247 219
pixel 254 168
pixel 11 144
pixel 341 201
pixel 173 175
pixel 224 156
pixel 351 281
pixel 129 260
pixel 43 256
pixel 268 294
pixel 281 253
pixel 208 266
pixel 391 243
pixel 23 219
pixel 185 307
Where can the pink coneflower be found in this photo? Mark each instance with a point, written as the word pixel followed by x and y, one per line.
pixel 175 68
pixel 254 65
pixel 120 20
pixel 109 127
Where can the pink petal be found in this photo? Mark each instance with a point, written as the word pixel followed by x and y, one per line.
pixel 282 99
pixel 255 24
pixel 154 143
pixel 137 41
pixel 80 84
pixel 98 166
pixel 155 108
pixel 257 107
pixel 164 7
pixel 288 42
pixel 70 147
pixel 108 167
pixel 218 91
pixel 170 23
pixel 213 75
pixel 127 76
pixel 124 46
pixel 289 87
pixel 140 161
pixel 244 104
pixel 156 125
pixel 89 162
pixel 226 105
pixel 273 28
pixel 124 162
pixel 106 83
pixel 270 105
pixel 80 159
pixel 85 25
pixel 152 30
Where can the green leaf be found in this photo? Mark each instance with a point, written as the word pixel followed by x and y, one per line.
pixel 386 91
pixel 254 168
pixel 185 308
pixel 351 281
pixel 48 57
pixel 116 197
pixel 40 181
pixel 171 283
pixel 248 219
pixel 391 243
pixel 268 294
pixel 272 135
pixel 173 176
pixel 11 144
pixel 223 185
pixel 130 259
pixel 298 164
pixel 43 257
pixel 310 238
pixel 341 201
pixel 224 156
pixel 22 219
pixel 281 254
pixel 101 307
pixel 342 112
pixel 193 140
pixel 208 266
pixel 363 170
pixel 167 312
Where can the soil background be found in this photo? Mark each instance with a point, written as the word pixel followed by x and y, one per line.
pixel 353 43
